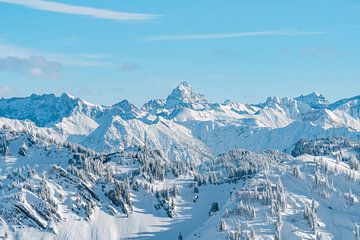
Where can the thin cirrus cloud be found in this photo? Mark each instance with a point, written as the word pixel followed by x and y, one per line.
pixel 85 60
pixel 34 66
pixel 129 67
pixel 188 37
pixel 80 10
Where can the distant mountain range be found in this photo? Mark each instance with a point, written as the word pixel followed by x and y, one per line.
pixel 185 125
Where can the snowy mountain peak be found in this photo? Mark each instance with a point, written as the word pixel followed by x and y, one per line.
pixel 182 92
pixel 314 99
pixel 126 110
pixel 124 104
pixel 183 96
pixel 68 96
pixel 273 102
pixel 184 87
pixel 154 105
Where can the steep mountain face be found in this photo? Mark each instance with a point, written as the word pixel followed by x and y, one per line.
pixel 350 106
pixel 187 120
pixel 126 110
pixel 184 97
pixel 314 100
pixel 66 114
pixel 43 110
pixel 173 140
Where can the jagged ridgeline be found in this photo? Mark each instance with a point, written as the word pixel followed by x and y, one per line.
pixel 185 126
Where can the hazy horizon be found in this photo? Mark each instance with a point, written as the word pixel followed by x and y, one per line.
pixel 140 105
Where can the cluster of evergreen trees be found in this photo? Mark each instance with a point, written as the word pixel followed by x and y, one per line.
pixel 311 217
pixel 166 200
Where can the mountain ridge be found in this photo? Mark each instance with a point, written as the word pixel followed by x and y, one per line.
pixel 211 125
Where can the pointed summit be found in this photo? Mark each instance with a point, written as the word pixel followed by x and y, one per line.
pixel 126 110
pixel 68 96
pixel 184 88
pixel 181 92
pixel 314 100
pixel 183 96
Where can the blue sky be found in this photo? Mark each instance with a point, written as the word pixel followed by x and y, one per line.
pixel 105 51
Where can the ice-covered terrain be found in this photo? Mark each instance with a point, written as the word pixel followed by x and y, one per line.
pixel 179 168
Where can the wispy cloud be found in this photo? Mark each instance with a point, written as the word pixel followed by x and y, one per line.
pixel 187 37
pixel 226 52
pixel 35 66
pixel 86 60
pixel 80 10
pixel 318 52
pixel 11 50
pixel 129 67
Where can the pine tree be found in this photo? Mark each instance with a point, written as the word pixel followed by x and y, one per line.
pixel 23 150
pixel 310 215
pixel 296 172
pixel 172 204
pixel 226 214
pixel 278 231
pixel 174 191
pixel 273 207
pixel 356 232
pixel 214 208
pixel 222 225
pixel 252 234
pixel 180 237
pixel 5 148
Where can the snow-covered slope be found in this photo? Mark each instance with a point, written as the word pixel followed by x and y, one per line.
pixel 314 100
pixel 65 191
pixel 174 141
pixel 306 198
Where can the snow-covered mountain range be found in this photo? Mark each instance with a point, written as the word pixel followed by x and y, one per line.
pixel 185 125
pixel 180 167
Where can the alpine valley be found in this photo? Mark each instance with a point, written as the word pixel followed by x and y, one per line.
pixel 180 168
